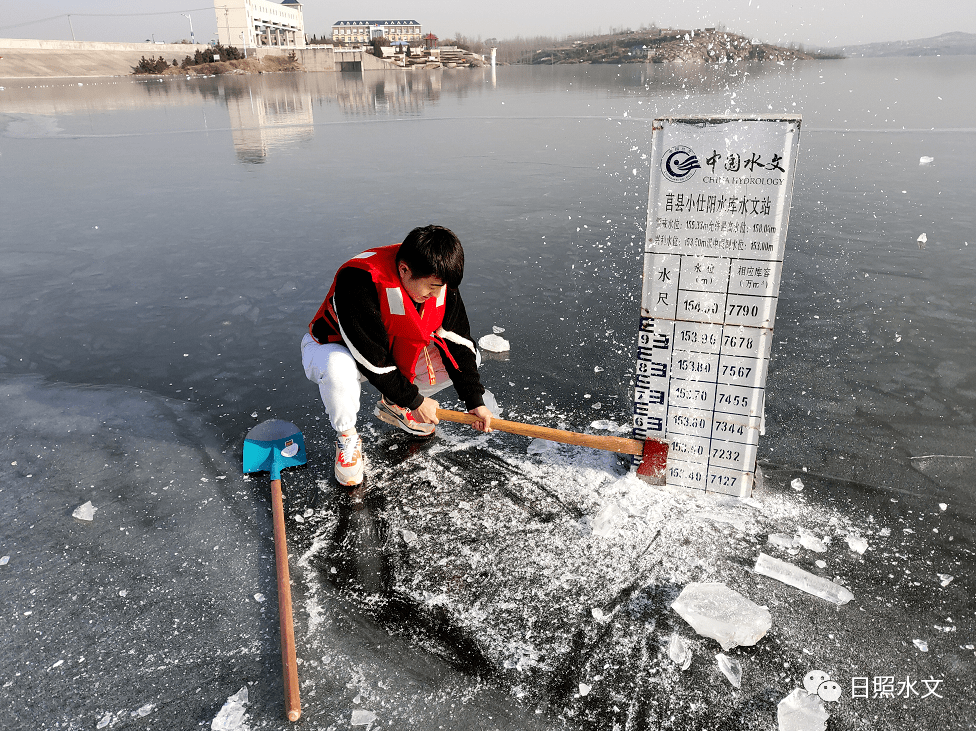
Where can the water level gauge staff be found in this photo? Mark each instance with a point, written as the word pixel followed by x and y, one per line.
pixel 394 317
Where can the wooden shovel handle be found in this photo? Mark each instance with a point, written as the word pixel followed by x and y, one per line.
pixel 289 664
pixel 594 441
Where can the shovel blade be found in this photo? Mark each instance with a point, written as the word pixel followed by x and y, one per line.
pixel 271 447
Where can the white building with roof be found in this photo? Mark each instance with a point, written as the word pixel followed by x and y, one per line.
pixel 364 31
pixel 260 23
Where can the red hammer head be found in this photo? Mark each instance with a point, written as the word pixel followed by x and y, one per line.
pixel 654 462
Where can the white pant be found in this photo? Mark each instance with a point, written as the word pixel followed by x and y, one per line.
pixel 334 369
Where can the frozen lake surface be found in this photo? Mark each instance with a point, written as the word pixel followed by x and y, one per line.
pixel 163 245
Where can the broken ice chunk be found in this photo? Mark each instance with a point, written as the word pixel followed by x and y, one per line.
pixel 86 511
pixel 926 160
pixel 598 614
pixel 809 541
pixel 4 560
pixel 921 645
pixel 679 652
pixel 494 343
pixel 540 446
pixel 604 425
pixel 782 540
pixel 944 579
pixel 362 717
pixel 943 506
pixel 497 330
pixel 921 244
pixel 800 711
pixel 714 610
pixel 104 721
pixel 584 689
pixel 730 668
pixel 797 484
pixel 803 580
pixel 408 536
pixel 143 710
pixel 259 597
pixel 489 398
pixel 231 715
pixel 857 544
pixel 608 519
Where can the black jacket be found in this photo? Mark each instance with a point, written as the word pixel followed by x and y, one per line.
pixel 358 305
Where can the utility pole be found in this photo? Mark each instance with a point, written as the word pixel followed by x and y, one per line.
pixel 72 28
pixel 187 16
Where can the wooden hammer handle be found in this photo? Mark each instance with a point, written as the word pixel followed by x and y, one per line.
pixel 594 441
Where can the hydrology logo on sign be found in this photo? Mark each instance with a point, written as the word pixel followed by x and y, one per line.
pixel 679 164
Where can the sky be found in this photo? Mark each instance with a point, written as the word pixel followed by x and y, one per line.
pixel 820 23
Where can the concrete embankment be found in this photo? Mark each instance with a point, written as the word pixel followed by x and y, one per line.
pixel 28 59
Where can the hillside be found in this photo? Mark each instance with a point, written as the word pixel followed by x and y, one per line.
pixel 947 44
pixel 690 46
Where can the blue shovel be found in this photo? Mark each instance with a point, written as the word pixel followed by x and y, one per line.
pixel 270 447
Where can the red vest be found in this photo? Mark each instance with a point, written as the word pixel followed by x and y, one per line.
pixel 409 331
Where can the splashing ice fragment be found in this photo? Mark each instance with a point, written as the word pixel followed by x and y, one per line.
pixel 679 651
pixel 730 668
pixel 86 511
pixel 362 717
pixel 921 645
pixel 800 711
pixel 494 343
pixel 231 715
pixel 809 541
pixel 408 536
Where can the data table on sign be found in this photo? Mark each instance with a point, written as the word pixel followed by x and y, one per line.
pixel 703 354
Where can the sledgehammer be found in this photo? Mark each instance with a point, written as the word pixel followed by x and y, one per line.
pixel 653 452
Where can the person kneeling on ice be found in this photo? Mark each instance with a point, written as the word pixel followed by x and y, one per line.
pixel 394 317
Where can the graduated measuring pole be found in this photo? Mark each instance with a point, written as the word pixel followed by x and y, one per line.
pixel 717 214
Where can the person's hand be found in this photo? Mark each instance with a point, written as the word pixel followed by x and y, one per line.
pixel 484 419
pixel 426 413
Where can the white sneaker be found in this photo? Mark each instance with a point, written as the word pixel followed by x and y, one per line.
pixel 402 418
pixel 349 465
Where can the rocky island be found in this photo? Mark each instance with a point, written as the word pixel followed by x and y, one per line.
pixel 708 45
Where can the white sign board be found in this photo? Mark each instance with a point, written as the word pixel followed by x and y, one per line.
pixel 717 215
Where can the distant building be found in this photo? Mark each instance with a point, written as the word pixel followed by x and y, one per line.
pixel 260 23
pixel 364 31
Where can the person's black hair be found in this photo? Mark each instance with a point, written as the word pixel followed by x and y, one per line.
pixel 433 251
